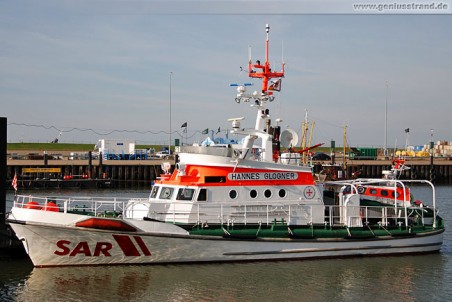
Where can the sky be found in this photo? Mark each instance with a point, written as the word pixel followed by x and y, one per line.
pixel 116 69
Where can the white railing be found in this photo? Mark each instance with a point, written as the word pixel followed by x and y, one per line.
pixel 290 214
pixel 233 213
pixel 96 206
pixel 393 182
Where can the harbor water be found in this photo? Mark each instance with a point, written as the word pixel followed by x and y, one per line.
pixel 401 278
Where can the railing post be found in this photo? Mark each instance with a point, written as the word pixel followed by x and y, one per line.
pixel 267 215
pixel 198 214
pixel 288 220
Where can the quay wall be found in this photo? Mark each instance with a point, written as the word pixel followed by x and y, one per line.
pixel 83 173
pixel 141 173
pixel 440 172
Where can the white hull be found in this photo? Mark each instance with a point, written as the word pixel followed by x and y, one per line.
pixel 80 246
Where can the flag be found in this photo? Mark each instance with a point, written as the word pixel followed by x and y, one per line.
pixel 276 86
pixel 205 131
pixel 219 130
pixel 14 183
pixel 184 125
pixel 407 130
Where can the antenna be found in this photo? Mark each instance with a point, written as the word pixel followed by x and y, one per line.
pixel 282 52
pixel 236 84
pixel 263 71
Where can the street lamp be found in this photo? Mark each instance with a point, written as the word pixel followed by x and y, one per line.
pixel 385 151
pixel 170 80
pixel 432 167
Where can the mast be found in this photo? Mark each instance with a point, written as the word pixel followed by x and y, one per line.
pixel 304 135
pixel 345 151
pixel 259 101
pixel 265 74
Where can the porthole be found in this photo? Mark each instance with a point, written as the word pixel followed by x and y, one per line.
pixel 233 194
pixel 384 193
pixel 268 193
pixel 282 193
pixel 393 194
pixel 361 190
pixel 253 194
pixel 373 191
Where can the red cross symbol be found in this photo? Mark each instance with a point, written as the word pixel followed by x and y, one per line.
pixel 308 192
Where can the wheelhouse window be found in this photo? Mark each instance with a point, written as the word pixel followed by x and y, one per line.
pixel 154 191
pixel 166 193
pixel 202 196
pixel 185 194
pixel 214 179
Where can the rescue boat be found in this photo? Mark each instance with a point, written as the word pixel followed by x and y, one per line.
pixel 233 202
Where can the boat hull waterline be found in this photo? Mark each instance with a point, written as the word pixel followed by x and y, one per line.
pixel 65 246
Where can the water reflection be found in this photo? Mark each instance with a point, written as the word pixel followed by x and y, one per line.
pixel 373 279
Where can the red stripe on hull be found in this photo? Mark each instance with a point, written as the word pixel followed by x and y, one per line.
pixel 126 245
pixel 142 246
pixel 106 224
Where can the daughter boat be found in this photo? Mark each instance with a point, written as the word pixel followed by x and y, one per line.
pixel 229 203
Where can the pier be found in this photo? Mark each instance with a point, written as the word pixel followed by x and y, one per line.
pixel 64 173
pixel 440 171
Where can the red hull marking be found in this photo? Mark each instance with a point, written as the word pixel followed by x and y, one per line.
pixel 64 250
pixel 142 245
pixel 128 247
pixel 104 248
pixel 83 248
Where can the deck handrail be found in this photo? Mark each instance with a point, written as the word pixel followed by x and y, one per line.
pixel 289 212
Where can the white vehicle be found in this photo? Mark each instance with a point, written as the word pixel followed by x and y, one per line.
pixel 162 154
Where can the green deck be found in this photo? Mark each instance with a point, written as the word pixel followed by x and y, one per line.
pixel 310 232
